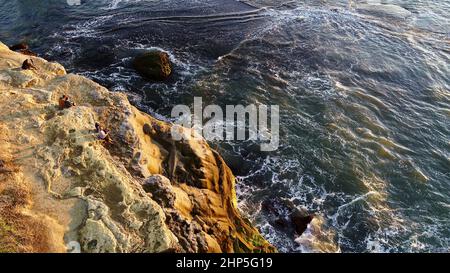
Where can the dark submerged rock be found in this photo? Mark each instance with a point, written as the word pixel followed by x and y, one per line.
pixel 23 48
pixel 93 55
pixel 17 47
pixel 286 216
pixel 154 65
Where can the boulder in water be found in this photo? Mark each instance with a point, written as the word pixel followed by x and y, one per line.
pixel 161 190
pixel 301 220
pixel 154 65
pixel 93 56
pixel 17 47
pixel 287 216
pixel 22 48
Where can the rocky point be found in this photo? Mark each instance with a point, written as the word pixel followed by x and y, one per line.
pixel 145 192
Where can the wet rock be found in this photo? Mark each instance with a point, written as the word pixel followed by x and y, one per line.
pixel 23 48
pixel 154 65
pixel 286 216
pixel 20 46
pixel 94 56
pixel 301 220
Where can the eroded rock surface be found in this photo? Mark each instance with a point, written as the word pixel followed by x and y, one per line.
pixel 154 65
pixel 144 193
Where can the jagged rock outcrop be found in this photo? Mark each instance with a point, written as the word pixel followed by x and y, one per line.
pixel 285 215
pixel 154 65
pixel 143 193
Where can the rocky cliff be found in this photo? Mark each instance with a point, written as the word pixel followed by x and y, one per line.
pixel 60 185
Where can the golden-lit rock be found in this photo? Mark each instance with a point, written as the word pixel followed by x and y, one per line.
pixel 145 192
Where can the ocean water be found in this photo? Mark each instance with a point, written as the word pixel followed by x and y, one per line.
pixel 363 89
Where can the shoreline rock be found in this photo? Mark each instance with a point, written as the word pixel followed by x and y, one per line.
pixel 85 192
pixel 23 48
pixel 153 65
pixel 285 215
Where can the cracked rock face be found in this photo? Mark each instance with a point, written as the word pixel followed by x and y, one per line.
pixel 143 193
pixel 161 190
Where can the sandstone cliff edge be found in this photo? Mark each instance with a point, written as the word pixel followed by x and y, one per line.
pixel 60 186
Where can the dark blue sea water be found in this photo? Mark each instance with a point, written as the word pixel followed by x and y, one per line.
pixel 363 89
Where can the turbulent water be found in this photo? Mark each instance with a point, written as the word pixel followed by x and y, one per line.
pixel 363 89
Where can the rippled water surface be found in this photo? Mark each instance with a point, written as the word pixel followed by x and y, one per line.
pixel 363 88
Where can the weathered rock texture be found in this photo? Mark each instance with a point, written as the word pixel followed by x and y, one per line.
pixel 144 193
pixel 154 65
